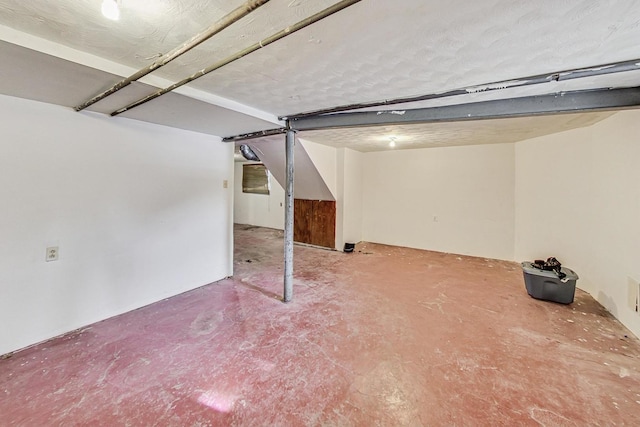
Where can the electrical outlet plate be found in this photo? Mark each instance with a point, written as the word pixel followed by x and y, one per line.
pixel 633 294
pixel 52 253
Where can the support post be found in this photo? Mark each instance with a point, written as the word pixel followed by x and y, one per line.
pixel 288 218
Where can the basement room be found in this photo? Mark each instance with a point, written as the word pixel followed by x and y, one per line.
pixel 319 212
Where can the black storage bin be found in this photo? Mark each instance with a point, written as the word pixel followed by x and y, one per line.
pixel 546 285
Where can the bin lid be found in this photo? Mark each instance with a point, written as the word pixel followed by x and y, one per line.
pixel 528 267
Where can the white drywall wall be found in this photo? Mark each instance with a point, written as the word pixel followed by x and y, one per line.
pixel 453 199
pixel 258 209
pixel 138 211
pixel 324 159
pixel 353 188
pixel 349 199
pixel 578 199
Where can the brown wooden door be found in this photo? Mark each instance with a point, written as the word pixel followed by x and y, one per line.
pixel 302 220
pixel 315 222
pixel 323 230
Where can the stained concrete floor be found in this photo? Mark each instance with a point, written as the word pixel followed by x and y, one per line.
pixel 383 336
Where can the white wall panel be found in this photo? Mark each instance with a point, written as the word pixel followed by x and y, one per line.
pixel 138 211
pixel 258 209
pixel 453 199
pixel 578 198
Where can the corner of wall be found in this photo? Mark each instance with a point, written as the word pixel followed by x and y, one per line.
pixel 577 199
pixel 340 184
pixel 138 211
pixel 229 186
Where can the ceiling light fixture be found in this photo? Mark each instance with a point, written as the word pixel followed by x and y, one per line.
pixel 111 9
pixel 392 141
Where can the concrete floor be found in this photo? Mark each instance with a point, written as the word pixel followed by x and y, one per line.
pixel 382 336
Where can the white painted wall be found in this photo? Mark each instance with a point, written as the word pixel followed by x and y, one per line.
pixel 325 160
pixel 578 198
pixel 138 211
pixel 353 190
pixel 453 199
pixel 258 209
pixel 349 200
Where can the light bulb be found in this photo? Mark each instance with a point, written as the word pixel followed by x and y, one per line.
pixel 392 142
pixel 110 9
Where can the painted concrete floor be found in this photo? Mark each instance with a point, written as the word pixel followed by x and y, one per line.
pixel 383 336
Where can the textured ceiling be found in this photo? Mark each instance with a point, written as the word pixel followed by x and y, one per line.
pixel 375 49
pixel 380 49
pixel 149 28
pixel 495 131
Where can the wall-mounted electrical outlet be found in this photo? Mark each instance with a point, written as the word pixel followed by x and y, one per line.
pixel 225 184
pixel 52 253
pixel 633 294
